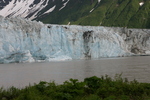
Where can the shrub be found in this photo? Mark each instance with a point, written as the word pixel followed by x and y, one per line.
pixel 92 88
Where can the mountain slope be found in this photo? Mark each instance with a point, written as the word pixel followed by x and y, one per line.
pixel 28 8
pixel 119 13
pixel 74 10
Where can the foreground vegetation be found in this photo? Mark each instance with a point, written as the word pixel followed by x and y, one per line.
pixel 93 88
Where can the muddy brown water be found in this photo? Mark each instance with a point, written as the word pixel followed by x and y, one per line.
pixel 21 74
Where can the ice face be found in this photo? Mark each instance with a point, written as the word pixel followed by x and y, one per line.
pixel 30 41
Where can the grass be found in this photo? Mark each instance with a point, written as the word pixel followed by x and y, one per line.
pixel 92 88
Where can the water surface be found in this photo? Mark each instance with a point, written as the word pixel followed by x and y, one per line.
pixel 20 75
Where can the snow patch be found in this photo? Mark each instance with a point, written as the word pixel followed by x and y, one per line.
pixel 94 8
pixel 91 10
pixel 141 3
pixel 4 1
pixel 64 5
pixel 99 1
pixel 23 8
pixel 50 10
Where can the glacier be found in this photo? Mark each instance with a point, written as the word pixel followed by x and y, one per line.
pixel 23 40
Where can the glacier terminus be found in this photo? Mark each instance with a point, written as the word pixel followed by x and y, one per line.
pixel 22 40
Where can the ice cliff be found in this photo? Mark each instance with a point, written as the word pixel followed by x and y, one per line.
pixel 30 41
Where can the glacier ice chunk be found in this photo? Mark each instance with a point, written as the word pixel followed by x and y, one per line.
pixel 22 40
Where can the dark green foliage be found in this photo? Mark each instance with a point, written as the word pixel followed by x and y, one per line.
pixel 142 18
pixel 119 13
pixel 9 93
pixel 129 10
pixel 74 10
pixel 92 88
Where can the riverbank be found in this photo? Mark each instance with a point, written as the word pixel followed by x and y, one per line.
pixel 92 88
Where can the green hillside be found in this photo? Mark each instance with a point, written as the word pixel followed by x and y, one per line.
pixel 118 13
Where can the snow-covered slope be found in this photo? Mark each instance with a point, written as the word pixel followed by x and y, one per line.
pixel 29 41
pixel 33 9
pixel 28 8
pixel 24 8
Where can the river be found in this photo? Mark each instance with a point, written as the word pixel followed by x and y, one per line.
pixel 21 74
